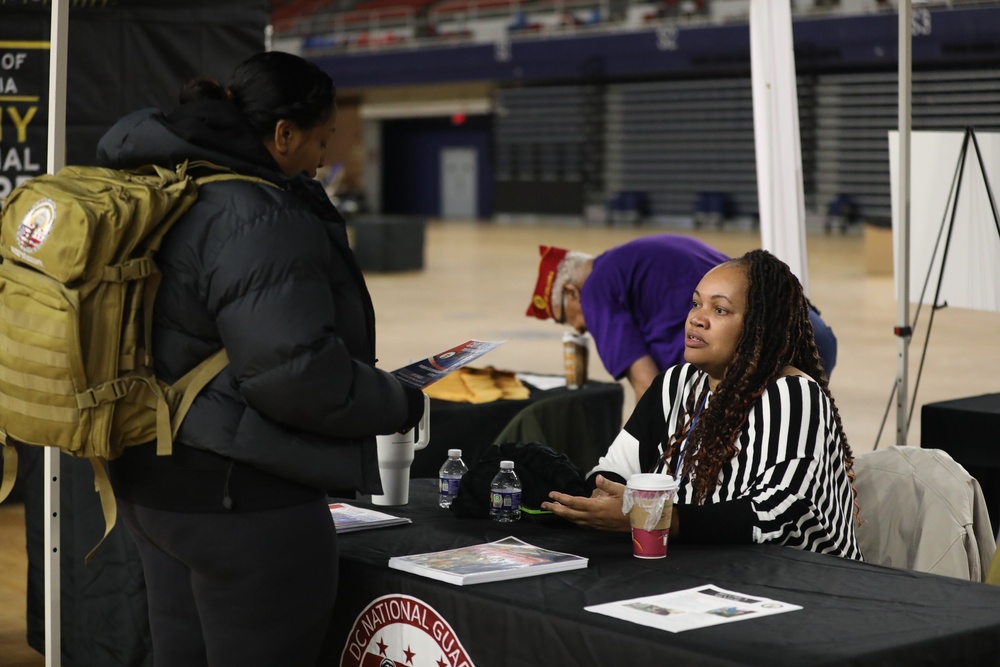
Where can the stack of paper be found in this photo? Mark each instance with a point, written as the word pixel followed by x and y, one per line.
pixel 348 518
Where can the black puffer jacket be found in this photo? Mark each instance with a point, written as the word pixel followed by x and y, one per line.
pixel 268 273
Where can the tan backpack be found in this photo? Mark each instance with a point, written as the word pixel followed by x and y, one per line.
pixel 77 283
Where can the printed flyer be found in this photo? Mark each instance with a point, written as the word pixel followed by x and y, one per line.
pixel 692 608
pixel 428 371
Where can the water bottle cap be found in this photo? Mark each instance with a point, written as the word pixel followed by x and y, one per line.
pixel 455 453
pixel 506 465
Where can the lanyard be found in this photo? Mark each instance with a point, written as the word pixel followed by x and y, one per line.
pixel 684 446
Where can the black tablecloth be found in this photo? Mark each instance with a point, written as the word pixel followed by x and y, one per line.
pixel 853 613
pixel 967 429
pixel 474 427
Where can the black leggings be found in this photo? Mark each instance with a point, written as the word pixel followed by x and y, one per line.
pixel 239 589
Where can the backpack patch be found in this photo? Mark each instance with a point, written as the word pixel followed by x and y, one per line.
pixel 35 227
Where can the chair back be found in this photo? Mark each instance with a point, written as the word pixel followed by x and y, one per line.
pixel 562 424
pixel 921 510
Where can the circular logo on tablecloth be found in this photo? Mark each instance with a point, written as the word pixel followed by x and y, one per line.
pixel 402 631
pixel 36 225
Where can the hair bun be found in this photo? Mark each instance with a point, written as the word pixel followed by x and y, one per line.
pixel 202 88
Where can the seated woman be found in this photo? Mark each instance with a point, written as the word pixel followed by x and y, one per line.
pixel 748 425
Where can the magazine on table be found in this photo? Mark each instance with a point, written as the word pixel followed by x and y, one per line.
pixel 509 558
pixel 427 371
pixel 692 608
pixel 349 518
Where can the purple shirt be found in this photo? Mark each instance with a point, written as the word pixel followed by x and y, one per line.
pixel 637 298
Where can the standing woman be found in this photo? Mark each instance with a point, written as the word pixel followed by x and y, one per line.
pixel 748 425
pixel 238 548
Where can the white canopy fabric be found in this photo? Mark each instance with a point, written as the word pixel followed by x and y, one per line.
pixel 776 135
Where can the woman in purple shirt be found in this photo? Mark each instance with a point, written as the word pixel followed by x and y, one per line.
pixel 634 300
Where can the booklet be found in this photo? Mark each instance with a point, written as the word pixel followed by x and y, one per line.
pixel 427 371
pixel 692 608
pixel 349 518
pixel 509 558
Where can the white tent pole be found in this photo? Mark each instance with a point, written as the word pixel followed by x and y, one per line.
pixel 902 236
pixel 56 158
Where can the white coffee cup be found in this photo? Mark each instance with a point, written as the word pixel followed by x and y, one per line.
pixel 395 455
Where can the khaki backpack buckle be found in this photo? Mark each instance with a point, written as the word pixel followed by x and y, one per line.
pixel 109 392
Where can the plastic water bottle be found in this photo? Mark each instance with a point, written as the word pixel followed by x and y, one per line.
pixel 450 476
pixel 505 494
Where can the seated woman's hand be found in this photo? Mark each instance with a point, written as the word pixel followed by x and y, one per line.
pixel 602 510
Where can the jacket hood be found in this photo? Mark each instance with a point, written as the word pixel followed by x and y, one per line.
pixel 209 130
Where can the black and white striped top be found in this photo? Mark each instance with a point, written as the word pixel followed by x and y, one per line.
pixel 787 484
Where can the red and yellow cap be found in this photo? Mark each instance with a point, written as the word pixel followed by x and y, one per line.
pixel 548 267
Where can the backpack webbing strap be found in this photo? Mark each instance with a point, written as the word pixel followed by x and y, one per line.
pixel 222 174
pixel 39 411
pixel 164 442
pixel 106 392
pixel 108 505
pixel 189 386
pixel 133 269
pixel 216 178
pixel 173 402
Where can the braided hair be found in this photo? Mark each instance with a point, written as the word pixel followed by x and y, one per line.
pixel 776 333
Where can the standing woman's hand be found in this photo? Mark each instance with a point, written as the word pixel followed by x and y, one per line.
pixel 603 510
pixel 414 407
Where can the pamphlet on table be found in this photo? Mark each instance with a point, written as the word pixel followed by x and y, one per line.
pixel 543 382
pixel 349 518
pixel 421 373
pixel 509 558
pixel 692 608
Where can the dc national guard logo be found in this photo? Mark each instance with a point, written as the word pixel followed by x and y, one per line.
pixel 402 631
pixel 36 225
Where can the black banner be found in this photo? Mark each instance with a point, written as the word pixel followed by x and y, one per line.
pixel 122 55
pixel 24 66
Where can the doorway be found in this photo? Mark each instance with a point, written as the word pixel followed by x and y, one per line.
pixel 459 199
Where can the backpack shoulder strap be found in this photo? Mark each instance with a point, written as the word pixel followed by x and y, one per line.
pixel 189 386
pixel 222 174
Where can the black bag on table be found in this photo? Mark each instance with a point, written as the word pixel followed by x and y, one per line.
pixel 541 469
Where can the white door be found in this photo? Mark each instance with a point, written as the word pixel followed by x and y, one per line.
pixel 458 183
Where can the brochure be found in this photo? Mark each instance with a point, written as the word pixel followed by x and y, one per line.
pixel 427 371
pixel 349 518
pixel 543 382
pixel 509 558
pixel 692 608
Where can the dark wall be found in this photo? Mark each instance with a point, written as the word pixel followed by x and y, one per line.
pixel 411 163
